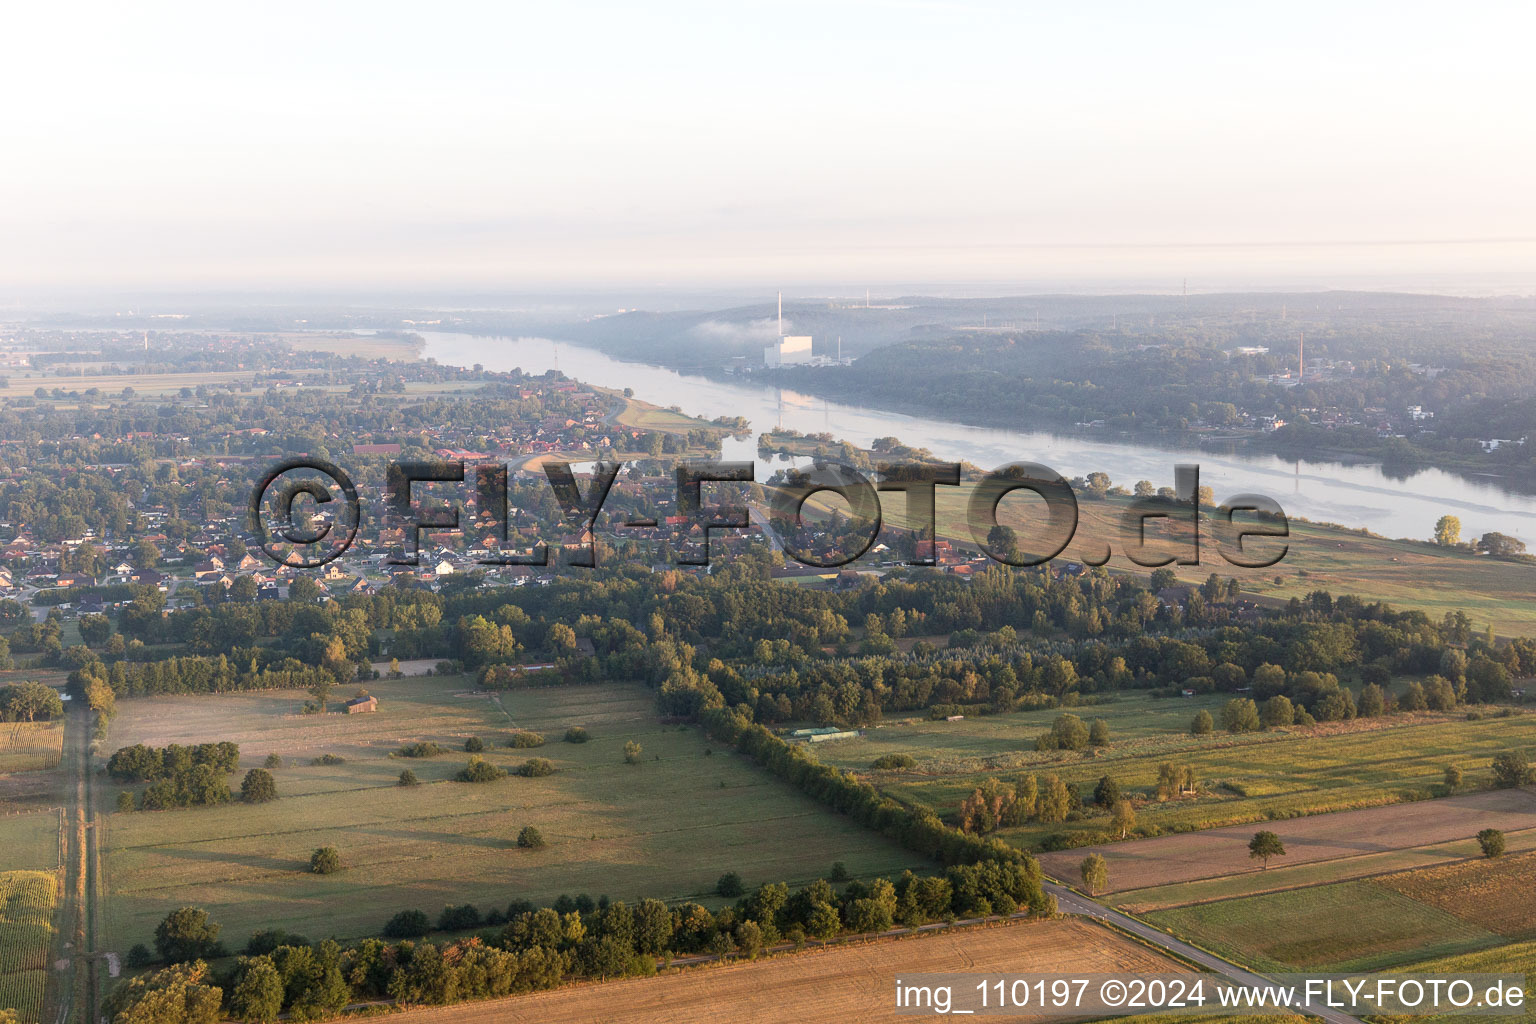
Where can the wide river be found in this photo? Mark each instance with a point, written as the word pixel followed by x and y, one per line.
pixel 1354 495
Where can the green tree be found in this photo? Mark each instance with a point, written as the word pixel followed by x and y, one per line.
pixel 1492 842
pixel 1055 803
pixel 176 995
pixel 186 935
pixel 272 763
pixel 1278 711
pixel 1122 817
pixel 1098 733
pixel 258 786
pixel 257 996
pixel 1107 793
pixel 408 778
pixel 1511 769
pixel 1448 531
pixel 1095 872
pixel 1265 845
pixel 1240 714
pixel 530 838
pixel 1373 701
pixel 325 861
pixel 1453 778
pixel 729 885
pixel 1203 724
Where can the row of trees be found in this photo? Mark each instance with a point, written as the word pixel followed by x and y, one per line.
pixel 539 948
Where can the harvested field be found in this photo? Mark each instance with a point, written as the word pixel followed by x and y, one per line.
pixel 1224 851
pixel 1494 894
pixel 843 983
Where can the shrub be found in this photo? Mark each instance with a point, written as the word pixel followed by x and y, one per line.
pixel 530 838
pixel 1492 842
pixel 1203 723
pixel 536 768
pixel 1098 733
pixel 408 924
pixel 730 885
pixel 272 763
pixel 408 778
pixel 421 748
pixel 481 770
pixel 328 759
pixel 474 745
pixel 632 752
pixel 125 801
pixel 576 734
pixel 325 861
pixel 458 918
pixel 839 872
pixel 139 956
pixel 895 762
pixel 523 740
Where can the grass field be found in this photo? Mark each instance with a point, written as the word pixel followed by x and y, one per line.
pixel 26 933
pixel 1370 924
pixel 667 827
pixel 30 746
pixel 113 383
pixel 1323 837
pixel 1319 557
pixel 853 982
pixel 1244 778
pixel 29 841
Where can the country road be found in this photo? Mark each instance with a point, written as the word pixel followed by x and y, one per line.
pixel 1070 902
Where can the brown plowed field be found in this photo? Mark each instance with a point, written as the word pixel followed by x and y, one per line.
pixel 1224 851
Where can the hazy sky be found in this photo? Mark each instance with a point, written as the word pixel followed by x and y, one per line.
pixel 517 145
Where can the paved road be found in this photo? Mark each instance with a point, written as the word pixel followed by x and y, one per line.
pixel 1069 902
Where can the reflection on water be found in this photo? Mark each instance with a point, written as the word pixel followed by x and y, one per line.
pixel 1355 495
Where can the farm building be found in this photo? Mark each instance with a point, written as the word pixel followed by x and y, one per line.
pixel 360 705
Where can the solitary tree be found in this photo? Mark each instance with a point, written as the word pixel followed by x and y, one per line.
pixel 1492 842
pixel 1098 733
pixel 1203 723
pixel 272 763
pixel 408 778
pixel 1452 778
pixel 631 752
pixel 1123 817
pixel 1448 531
pixel 1095 872
pixel 729 885
pixel 1511 769
pixel 258 787
pixel 1107 793
pixel 325 861
pixel 530 838
pixel 1265 845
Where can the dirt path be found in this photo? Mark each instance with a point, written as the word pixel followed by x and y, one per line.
pixel 76 984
